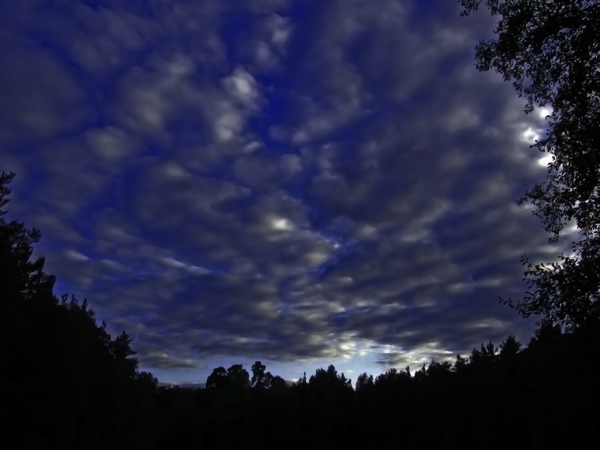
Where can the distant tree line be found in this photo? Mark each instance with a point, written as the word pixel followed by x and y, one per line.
pixel 543 396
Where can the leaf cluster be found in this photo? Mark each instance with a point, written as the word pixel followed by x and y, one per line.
pixel 550 50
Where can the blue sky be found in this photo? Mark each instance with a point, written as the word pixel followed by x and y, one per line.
pixel 299 182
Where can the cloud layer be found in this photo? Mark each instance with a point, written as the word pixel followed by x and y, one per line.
pixel 299 182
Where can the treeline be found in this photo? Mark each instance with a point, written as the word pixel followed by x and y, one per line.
pixel 544 396
pixel 66 383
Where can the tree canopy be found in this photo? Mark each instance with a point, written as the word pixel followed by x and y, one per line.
pixel 64 381
pixel 550 50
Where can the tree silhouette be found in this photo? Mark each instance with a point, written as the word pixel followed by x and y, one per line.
pixel 64 382
pixel 21 278
pixel 551 52
pixel 505 396
pixel 258 375
pixel 364 381
pixel 238 376
pixel 218 379
pixel 329 381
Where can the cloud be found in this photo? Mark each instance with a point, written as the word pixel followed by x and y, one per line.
pixel 332 186
pixel 40 99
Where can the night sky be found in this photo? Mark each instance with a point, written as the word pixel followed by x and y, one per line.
pixel 301 182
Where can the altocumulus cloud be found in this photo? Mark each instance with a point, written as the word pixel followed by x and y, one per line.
pixel 302 182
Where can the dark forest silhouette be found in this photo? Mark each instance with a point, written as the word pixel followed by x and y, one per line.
pixel 65 383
